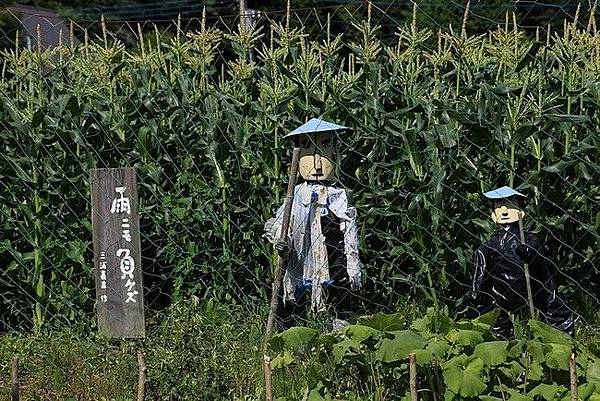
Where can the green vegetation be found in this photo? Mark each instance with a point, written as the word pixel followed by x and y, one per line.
pixel 437 118
pixel 197 352
pixel 456 360
pixel 212 352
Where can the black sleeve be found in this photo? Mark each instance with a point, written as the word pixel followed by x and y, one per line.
pixel 480 261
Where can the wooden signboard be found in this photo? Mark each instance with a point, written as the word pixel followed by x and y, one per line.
pixel 117 257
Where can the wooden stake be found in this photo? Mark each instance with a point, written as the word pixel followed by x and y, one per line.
pixel 526 268
pixel 14 394
pixel 412 364
pixel 268 379
pixel 280 268
pixel 141 391
pixel 573 371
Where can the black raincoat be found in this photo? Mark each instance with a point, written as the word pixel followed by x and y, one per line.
pixel 499 281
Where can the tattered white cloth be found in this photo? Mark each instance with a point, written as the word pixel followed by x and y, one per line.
pixel 308 260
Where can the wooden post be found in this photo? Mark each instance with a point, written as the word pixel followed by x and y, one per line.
pixel 141 391
pixel 412 367
pixel 14 394
pixel 526 269
pixel 117 253
pixel 279 269
pixel 573 371
pixel 268 379
pixel 242 14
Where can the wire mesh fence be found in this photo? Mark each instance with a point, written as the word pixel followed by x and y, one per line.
pixel 199 106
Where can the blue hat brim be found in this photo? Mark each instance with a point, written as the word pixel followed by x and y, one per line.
pixel 503 193
pixel 316 126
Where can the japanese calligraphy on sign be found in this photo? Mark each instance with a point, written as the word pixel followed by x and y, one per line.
pixel 117 258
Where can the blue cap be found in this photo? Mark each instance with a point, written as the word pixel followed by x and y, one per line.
pixel 502 193
pixel 316 126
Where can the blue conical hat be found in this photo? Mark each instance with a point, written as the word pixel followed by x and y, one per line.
pixel 502 193
pixel 316 126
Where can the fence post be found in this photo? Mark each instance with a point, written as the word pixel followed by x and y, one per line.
pixel 141 391
pixel 279 270
pixel 14 395
pixel 573 371
pixel 412 364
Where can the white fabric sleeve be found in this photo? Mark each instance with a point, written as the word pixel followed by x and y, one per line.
pixel 273 226
pixel 353 266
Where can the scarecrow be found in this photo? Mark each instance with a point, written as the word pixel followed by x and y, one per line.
pixel 513 271
pixel 321 248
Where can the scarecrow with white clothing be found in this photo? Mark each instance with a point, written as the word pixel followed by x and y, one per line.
pixel 323 266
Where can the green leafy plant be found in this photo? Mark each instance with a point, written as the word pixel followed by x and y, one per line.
pixel 456 360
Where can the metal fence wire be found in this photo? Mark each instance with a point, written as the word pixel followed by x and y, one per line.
pixel 199 106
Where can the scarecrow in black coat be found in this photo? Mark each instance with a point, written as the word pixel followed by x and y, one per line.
pixel 499 278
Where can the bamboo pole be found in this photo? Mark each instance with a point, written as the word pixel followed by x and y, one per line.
pixel 573 375
pixel 526 268
pixel 141 390
pixel 14 394
pixel 280 268
pixel 412 364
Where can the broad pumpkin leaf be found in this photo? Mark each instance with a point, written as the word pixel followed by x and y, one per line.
pixel 538 350
pixel 488 318
pixel 399 347
pixel 360 333
pixel 465 337
pixel 535 372
pixel 515 348
pixel 516 396
pixel 493 352
pixel 593 371
pixel 548 392
pixel 384 322
pixel 282 360
pixel 586 390
pixel 344 348
pixel 463 375
pixel 549 334
pixel 438 348
pixel 558 356
pixel 293 338
pixel 512 369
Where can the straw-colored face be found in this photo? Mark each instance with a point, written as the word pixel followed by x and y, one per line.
pixel 316 157
pixel 506 212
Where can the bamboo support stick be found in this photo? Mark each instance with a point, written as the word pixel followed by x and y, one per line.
pixel 141 390
pixel 526 268
pixel 573 372
pixel 280 268
pixel 14 394
pixel 412 363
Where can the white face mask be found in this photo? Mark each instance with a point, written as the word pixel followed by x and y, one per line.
pixel 316 157
pixel 506 212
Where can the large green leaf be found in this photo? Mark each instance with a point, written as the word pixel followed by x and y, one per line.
pixel 465 337
pixel 558 356
pixel 293 338
pixel 593 371
pixel 464 375
pixel 548 392
pixel 549 334
pixel 399 347
pixel 384 322
pixel 344 348
pixel 360 333
pixel 493 352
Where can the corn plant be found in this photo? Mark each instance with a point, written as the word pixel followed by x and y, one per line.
pixel 438 117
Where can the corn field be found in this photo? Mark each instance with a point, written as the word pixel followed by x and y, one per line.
pixel 438 116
